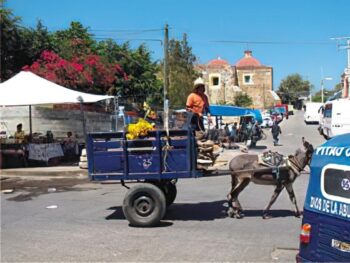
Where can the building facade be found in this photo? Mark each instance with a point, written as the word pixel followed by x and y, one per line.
pixel 248 75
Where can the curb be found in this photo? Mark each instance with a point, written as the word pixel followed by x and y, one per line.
pixel 59 171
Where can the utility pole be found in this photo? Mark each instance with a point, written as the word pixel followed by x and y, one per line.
pixel 346 70
pixel 342 46
pixel 166 78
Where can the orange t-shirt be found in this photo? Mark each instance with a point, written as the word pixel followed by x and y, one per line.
pixel 197 103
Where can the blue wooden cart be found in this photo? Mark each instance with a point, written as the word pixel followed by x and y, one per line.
pixel 156 161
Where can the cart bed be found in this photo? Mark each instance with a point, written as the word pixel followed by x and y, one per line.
pixel 112 157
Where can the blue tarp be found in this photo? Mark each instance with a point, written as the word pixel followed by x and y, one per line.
pixel 280 110
pixel 329 183
pixel 221 110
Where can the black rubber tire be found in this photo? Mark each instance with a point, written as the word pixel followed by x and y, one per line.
pixel 170 192
pixel 144 205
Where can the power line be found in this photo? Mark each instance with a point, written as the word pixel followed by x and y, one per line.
pixel 132 39
pixel 272 42
pixel 127 30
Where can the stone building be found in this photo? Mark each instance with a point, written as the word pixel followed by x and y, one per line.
pixel 248 75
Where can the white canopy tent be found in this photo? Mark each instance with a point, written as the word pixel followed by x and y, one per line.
pixel 26 88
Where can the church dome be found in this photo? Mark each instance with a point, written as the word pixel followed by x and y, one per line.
pixel 248 60
pixel 218 62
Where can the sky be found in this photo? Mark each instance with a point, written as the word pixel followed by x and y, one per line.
pixel 292 36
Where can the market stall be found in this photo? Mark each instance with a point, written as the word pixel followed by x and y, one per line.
pixel 27 89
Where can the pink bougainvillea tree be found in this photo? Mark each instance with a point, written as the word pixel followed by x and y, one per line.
pixel 87 73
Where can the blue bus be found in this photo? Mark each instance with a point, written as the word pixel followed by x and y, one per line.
pixel 325 230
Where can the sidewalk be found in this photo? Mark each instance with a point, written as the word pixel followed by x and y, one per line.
pixel 52 171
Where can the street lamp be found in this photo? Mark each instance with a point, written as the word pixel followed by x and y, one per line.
pixel 326 78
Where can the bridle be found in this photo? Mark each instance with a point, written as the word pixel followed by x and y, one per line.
pixel 295 163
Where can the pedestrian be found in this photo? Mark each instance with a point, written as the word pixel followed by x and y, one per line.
pixel 257 132
pixel 233 133
pixel 232 137
pixel 198 104
pixel 20 136
pixel 276 131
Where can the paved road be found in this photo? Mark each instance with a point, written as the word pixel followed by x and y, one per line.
pixel 88 224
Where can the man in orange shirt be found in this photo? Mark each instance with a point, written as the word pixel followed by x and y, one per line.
pixel 197 102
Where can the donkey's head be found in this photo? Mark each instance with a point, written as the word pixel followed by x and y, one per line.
pixel 309 150
pixel 304 156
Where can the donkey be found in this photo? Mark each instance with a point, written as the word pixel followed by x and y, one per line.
pixel 245 169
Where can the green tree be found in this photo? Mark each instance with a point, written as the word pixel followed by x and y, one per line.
pixel 327 93
pixel 181 71
pixel 34 42
pixel 11 44
pixel 293 87
pixel 74 41
pixel 243 100
pixel 142 82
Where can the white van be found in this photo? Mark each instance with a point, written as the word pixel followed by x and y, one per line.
pixel 336 118
pixel 312 114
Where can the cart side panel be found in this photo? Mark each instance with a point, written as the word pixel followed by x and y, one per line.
pixel 176 158
pixel 159 156
pixel 105 162
pixel 105 153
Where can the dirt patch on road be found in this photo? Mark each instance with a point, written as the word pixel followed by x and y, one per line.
pixel 27 189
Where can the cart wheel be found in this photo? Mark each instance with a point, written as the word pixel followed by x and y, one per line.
pixel 144 205
pixel 170 192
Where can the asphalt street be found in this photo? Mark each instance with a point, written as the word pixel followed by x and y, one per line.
pixel 77 220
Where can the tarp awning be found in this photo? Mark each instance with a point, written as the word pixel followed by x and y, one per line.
pixel 223 110
pixel 26 88
pixel 275 95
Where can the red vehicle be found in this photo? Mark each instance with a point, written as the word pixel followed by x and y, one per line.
pixel 285 106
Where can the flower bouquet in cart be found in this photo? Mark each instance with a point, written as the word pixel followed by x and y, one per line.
pixel 139 129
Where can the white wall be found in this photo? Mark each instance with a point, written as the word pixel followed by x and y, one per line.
pixel 57 121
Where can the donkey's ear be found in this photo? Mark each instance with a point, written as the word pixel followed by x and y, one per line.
pixel 311 148
pixel 303 140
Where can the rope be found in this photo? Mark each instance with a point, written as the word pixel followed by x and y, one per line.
pixel 165 149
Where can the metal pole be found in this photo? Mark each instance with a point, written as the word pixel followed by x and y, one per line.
pixel 81 101
pixel 166 78
pixel 348 47
pixel 30 124
pixel 114 122
pixel 322 90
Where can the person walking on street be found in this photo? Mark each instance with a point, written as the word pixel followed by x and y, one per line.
pixel 276 131
pixel 198 104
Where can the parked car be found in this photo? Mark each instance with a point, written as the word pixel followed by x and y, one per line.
pixel 312 112
pixel 282 108
pixel 336 118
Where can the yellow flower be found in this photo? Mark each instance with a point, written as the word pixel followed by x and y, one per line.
pixel 141 128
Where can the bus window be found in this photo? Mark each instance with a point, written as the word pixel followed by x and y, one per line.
pixel 336 182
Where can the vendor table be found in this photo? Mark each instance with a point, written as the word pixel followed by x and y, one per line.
pixel 44 151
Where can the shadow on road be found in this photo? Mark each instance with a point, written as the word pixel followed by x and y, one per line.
pixel 272 213
pixel 259 147
pixel 203 211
